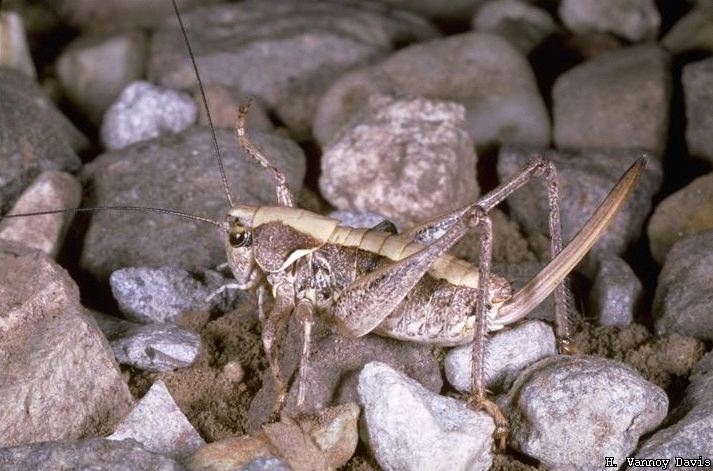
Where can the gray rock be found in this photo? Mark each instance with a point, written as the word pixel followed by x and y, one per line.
pixel 508 352
pixel 687 212
pixel 634 20
pixel 287 53
pixel 691 433
pixel 144 111
pixel 357 219
pixel 159 425
pixel 683 302
pixel 481 71
pixel 265 464
pixel 13 43
pixel 50 190
pixel 59 377
pixel 163 294
pixel 619 99
pixel 34 136
pixel 524 25
pixel 437 9
pixel 94 69
pixel 177 172
pixel 698 90
pixel 694 31
pixel 409 159
pixel 156 347
pixel 410 428
pixel 570 412
pixel 92 453
pixel 585 178
pixel 616 292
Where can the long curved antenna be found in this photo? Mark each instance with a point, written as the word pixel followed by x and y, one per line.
pixel 117 208
pixel 216 149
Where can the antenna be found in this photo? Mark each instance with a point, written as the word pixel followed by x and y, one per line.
pixel 216 149
pixel 117 208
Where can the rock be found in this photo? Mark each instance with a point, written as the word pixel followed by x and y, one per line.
pixel 634 20
pixel 683 302
pixel 159 425
pixel 156 347
pixel 144 111
pixel 59 376
pixel 50 190
pixel 409 159
pixel 481 71
pixel 524 25
pixel 616 292
pixel 508 352
pixel 13 43
pixel 357 219
pixel 619 99
pixel 694 31
pixel 404 422
pixel 569 412
pixel 92 453
pixel 163 294
pixel 234 453
pixel 224 103
pixel 698 90
pixel 286 53
pixel 266 464
pixel 34 136
pixel 585 178
pixel 452 10
pixel 94 69
pixel 690 436
pixel 687 212
pixel 177 172
pixel 334 431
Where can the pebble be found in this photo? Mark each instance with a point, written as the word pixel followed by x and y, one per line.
pixel 177 172
pixel 633 20
pixel 286 53
pixel 144 111
pixel 687 212
pixel 34 136
pixel 698 91
pixel 60 379
pixel 94 69
pixel 481 71
pixel 13 43
pixel 91 453
pixel 409 427
pixel 409 159
pixel 683 302
pixel 585 178
pixel 569 412
pixel 524 25
pixel 159 425
pixel 224 103
pixel 508 352
pixel 692 32
pixel 616 292
pixel 617 100
pixel 156 347
pixel 50 190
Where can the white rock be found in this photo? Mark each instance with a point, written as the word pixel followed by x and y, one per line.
pixel 15 52
pixel 156 347
pixel 410 428
pixel 635 20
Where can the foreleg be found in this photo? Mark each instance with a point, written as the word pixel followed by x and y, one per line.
pixel 305 314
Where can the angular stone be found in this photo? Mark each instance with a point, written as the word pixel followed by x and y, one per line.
pixel 409 159
pixel 507 353
pixel 156 347
pixel 59 379
pixel 34 136
pixel 159 425
pixel 13 44
pixel 334 431
pixel 481 71
pixel 50 190
pixel 286 53
pixel 616 292
pixel 634 20
pixel 94 69
pixel 524 25
pixel 403 421
pixel 683 302
pixel 92 453
pixel 176 172
pixel 698 91
pixel 144 111
pixel 570 412
pixel 618 100
pixel 689 211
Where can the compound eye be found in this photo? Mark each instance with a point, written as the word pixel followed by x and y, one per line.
pixel 238 236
